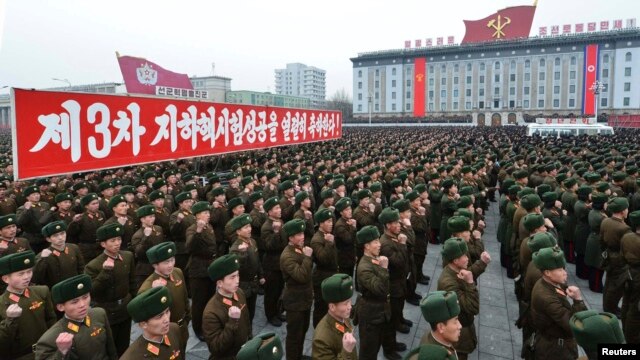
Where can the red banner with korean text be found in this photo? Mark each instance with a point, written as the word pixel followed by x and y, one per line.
pixel 142 76
pixel 419 80
pixel 62 132
pixel 591 55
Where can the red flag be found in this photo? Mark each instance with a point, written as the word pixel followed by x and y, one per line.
pixel 509 23
pixel 141 76
pixel 591 55
pixel 419 86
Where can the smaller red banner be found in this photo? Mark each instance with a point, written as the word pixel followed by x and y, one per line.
pixel 590 77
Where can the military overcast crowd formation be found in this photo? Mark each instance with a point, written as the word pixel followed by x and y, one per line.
pixel 334 236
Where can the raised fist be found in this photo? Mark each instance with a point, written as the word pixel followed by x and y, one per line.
pixel 329 238
pixel 45 253
pixel 27 205
pixel 406 222
pixel 379 200
pixel 159 282
pixel 276 226
pixel 402 239
pixel 200 224
pixel 307 251
pixel 122 220
pixel 372 207
pixel 108 264
pixel 383 261
pixel 216 205
pixel 485 257
pixel 574 292
pixel 235 312
pixel 14 311
pixel 180 217
pixel 147 231
pixel 77 217
pixel 307 214
pixel 466 275
pixel 348 342
pixel 64 341
pixel 243 247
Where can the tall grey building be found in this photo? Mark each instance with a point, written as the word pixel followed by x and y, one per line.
pixel 302 80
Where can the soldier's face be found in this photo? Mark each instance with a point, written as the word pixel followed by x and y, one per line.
pixel 194 194
pixel 244 231
pixel 121 208
pixel 347 213
pixel 157 325
pixel 394 227
pixel 107 193
pixel 35 197
pixel 340 310
pixel 165 267
pixel 229 284
pixel 158 203
pixel 204 216
pixel 18 280
pixel 373 247
pixel 327 226
pixel 64 205
pixel 76 309
pixel 112 245
pixel 93 206
pixel 58 240
pixel 9 232
pixel 461 262
pixel 558 276
pixel 148 220
pixel 129 197
pixel 306 203
pixel 275 212
pixel 465 235
pixel 297 239
pixel 450 330
pixel 238 210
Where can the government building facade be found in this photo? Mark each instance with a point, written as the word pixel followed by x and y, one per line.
pixel 502 81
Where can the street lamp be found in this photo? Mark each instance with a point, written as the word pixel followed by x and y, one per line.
pixel 597 87
pixel 64 81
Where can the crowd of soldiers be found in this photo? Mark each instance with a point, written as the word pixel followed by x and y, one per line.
pixel 195 242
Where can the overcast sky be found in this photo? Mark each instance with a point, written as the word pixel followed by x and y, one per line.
pixel 247 40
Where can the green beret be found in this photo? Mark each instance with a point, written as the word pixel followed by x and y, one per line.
pixel 42 181
pixel 255 196
pixel 634 219
pixel 532 221
pixel 388 215
pixel 430 352
pixel 149 174
pixel 440 306
pixel 199 207
pixel 71 288
pixel 337 288
pixel 17 262
pixel 364 193
pixel 454 248
pixel 182 197
pixel 343 203
pixel 570 182
pixel 434 176
pixel 150 303
pixel 514 190
pixel 465 169
pixel 584 190
pixel 266 346
pixel 189 187
pixel 543 188
pixel 326 193
pixel 375 187
pixel 395 183
pixel 591 328
pixel 270 203
pixel 161 252
pixel 457 224
pixel 233 203
pixel 618 204
pixel 293 227
pixel 54 228
pixel 323 215
pixel 145 210
pixel 80 185
pixel 560 178
pixel 520 174
pixel 550 197
pixel 549 259
pixel 223 266
pixel 7 220
pixel 599 198
pixel 464 212
pixel 506 184
pixel 412 195
pixel 466 191
pixel 592 177
pixel 618 176
pixel 402 205
pixel 540 241
pixel 155 195
pixel 464 201
pixel 301 196
pixel 239 221
pixel 187 177
pixel 367 234
pixel 62 197
pixel 127 189
pixel 447 183
pixel 286 185
pixel 603 186
pixel 246 180
pixel 114 201
pixel 104 186
pixel 420 188
pixel 529 202
pixel 87 199
pixel 217 191
pixel 30 190
pixel 271 174
pixel 109 231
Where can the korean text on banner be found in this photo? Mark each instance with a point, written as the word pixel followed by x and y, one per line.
pixel 62 132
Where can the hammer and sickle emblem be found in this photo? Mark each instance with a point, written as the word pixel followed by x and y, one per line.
pixel 498 26
pixel 420 77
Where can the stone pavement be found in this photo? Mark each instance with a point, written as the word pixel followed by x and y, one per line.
pixel 498 337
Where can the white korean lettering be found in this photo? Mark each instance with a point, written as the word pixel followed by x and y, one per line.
pixel 63 129
pixel 205 125
pixel 102 110
pixel 123 122
pixel 222 127
pixel 273 126
pixel 167 130
pixel 188 125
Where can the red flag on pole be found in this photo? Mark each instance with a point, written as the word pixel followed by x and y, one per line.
pixel 141 76
pixel 509 23
pixel 591 55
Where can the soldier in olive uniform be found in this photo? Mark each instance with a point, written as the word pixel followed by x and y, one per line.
pixel 325 256
pixel 9 243
pixel 43 189
pixel 179 221
pixel 202 248
pixel 62 211
pixel 226 324
pixel 246 249
pixel 258 218
pixel 220 217
pixel 163 217
pixel 274 242
pixel 448 205
pixel 265 346
pixel 550 309
pixel 162 258
pixel 60 260
pixel 84 332
pixel 288 201
pixel 106 191
pixel 435 198
pixel 460 227
pixel 344 232
pixel 114 283
pixel 441 310
pixel 333 336
pixel 568 200
pixel 303 203
pixel 297 297
pixel 593 252
pixel 373 309
pixel 581 233
pixel 630 249
pixel 7 204
pixel 591 328
pixel 119 208
pixel 160 338
pixel 364 213
pixel 455 277
pixel 420 226
pixel 235 208
pixel 83 228
pixel 142 240
pixel 28 217
pixel 612 230
pixel 26 312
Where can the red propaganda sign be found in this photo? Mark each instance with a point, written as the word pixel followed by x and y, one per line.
pixel 579 28
pixel 62 132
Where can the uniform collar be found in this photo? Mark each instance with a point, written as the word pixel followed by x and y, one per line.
pixel 119 257
pixel 15 297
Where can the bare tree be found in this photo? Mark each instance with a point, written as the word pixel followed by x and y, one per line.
pixel 341 101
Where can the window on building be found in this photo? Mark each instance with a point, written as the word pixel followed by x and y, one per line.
pixel 481 104
pixel 377 84
pixel 496 78
pixel 512 91
pixel 430 81
pixel 572 75
pixel 467 105
pixel 481 79
pixel 605 59
pixel 527 76
pixel 603 102
pixel 468 79
pixel 556 75
pixel 408 83
pixel 455 93
pixel 541 76
pixel 407 107
pixel 430 106
pixel 360 96
pixel 359 73
pixel 455 67
pixel 469 67
pixel 525 104
pixel 542 63
pixel 393 95
pixel 377 108
pixel 496 66
pixel 627 86
pixel 377 95
pixel 443 93
pixel 359 107
pixel 556 103
pixel 359 84
pixel 481 92
pixel 408 95
pixel 627 71
pixel 605 73
pixel 468 93
pixel 393 107
pixel 625 101
pixel 393 71
pixel 513 65
pixel 556 89
pixel 393 83
pixel 557 61
pixel 512 103
pixel 541 90
pixel 512 77
pixel 431 69
pixel 573 60
pixel 455 80
pixel 430 94
pixel 377 72
pixel 496 91
pixel 540 104
pixel 443 106
pixel 443 81
pixel 526 90
pixel 572 89
pixel 627 57
pixel 527 64
pixel 455 105
pixel 481 66
pixel 496 104
pixel 572 103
